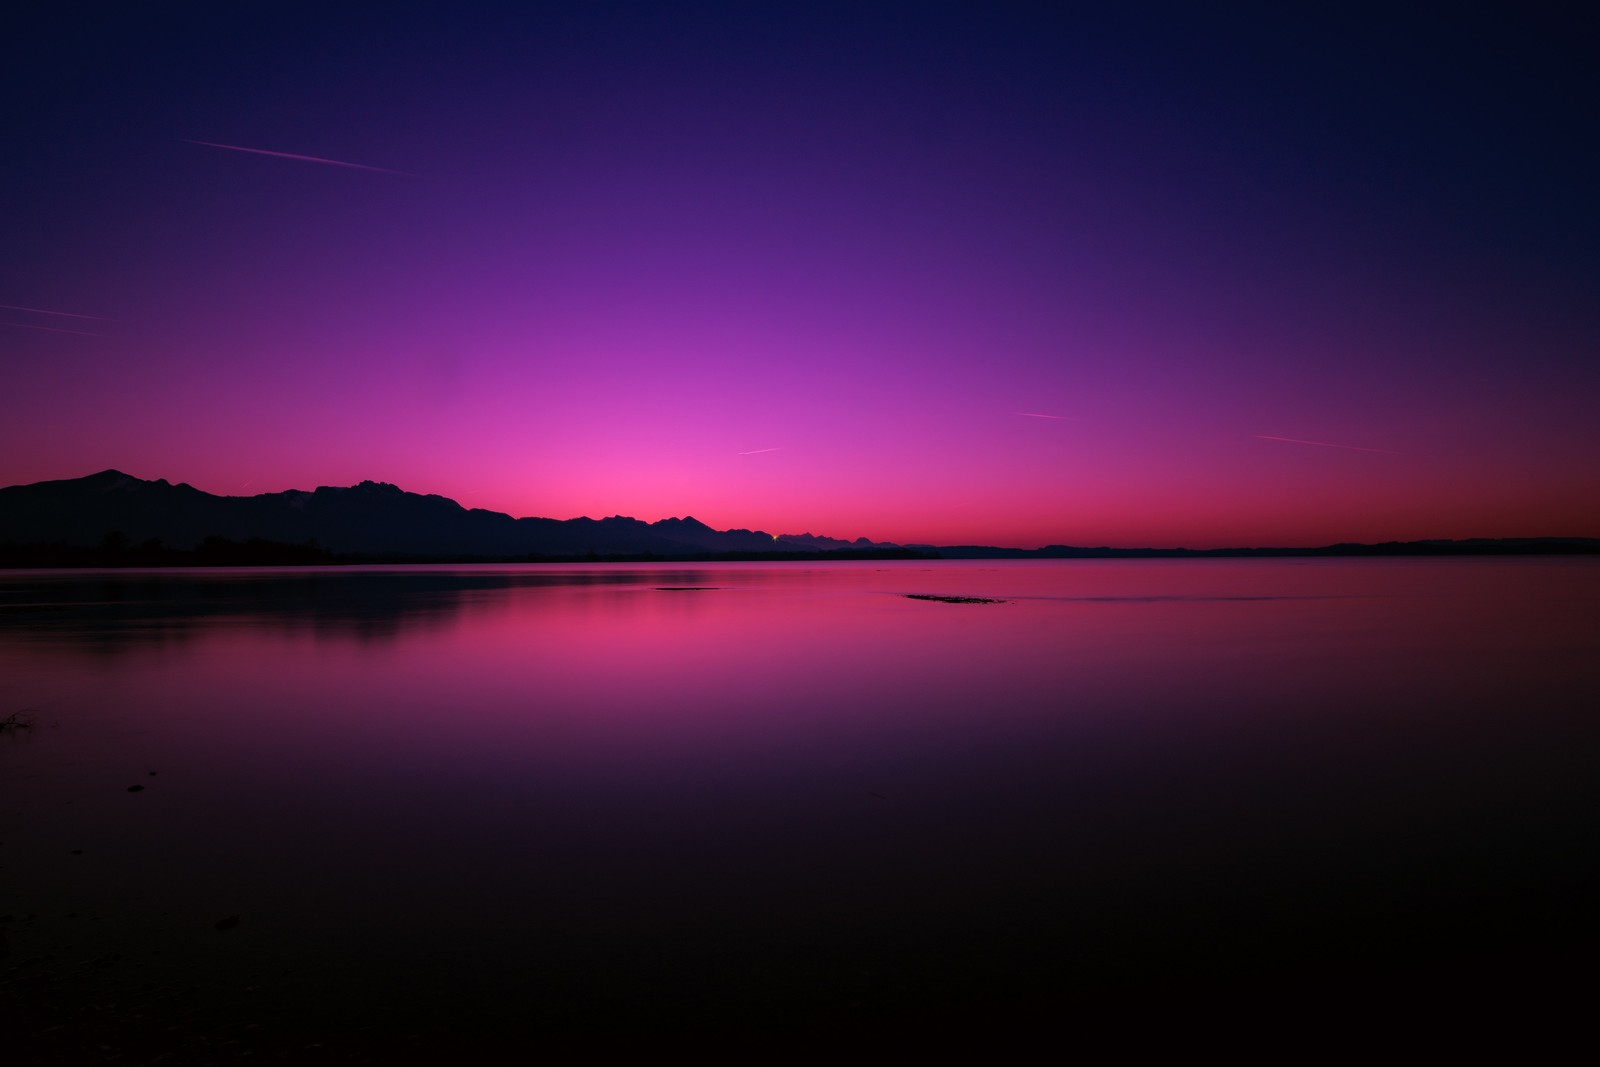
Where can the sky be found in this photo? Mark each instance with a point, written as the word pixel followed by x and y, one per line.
pixel 1007 274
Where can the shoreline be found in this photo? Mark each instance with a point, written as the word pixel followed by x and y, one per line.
pixel 255 553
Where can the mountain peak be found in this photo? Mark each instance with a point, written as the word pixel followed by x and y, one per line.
pixel 113 480
pixel 688 522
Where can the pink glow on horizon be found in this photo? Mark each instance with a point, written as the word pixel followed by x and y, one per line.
pixel 649 247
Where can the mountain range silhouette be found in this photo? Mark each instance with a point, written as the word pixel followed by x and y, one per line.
pixel 368 519
pixel 112 517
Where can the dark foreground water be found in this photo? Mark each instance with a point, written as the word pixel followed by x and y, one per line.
pixel 506 810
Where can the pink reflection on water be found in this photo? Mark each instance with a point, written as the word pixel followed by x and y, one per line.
pixel 788 766
pixel 681 670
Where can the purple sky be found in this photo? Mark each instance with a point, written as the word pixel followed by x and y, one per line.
pixel 1274 278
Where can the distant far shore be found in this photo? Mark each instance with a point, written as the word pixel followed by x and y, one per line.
pixel 112 519
pixel 222 552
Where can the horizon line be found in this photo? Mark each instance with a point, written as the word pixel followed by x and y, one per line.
pixel 1234 546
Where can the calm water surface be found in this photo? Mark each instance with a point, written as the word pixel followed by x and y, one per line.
pixel 516 802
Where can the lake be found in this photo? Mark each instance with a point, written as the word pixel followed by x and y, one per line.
pixel 508 808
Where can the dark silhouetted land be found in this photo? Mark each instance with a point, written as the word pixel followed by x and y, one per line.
pixel 112 519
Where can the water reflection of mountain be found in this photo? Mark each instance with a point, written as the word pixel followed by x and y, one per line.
pixel 130 610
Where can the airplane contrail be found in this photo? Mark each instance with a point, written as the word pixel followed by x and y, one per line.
pixel 292 155
pixel 1322 444
pixel 1053 418
pixel 42 311
pixel 758 451
pixel 51 329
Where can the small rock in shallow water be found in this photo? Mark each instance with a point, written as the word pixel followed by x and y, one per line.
pixel 135 788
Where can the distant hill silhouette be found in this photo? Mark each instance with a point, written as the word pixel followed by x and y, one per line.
pixel 373 519
pixel 115 518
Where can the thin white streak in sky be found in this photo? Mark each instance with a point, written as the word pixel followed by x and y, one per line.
pixel 303 159
pixel 1322 444
pixel 1053 418
pixel 758 451
pixel 51 329
pixel 42 311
